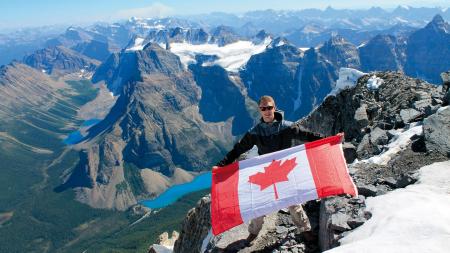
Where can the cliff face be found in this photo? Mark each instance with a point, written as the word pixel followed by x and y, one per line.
pixel 392 129
pixel 154 125
pixel 428 51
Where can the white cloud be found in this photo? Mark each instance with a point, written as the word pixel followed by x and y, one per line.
pixel 156 10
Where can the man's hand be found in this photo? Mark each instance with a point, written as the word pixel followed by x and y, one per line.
pixel 342 136
pixel 215 167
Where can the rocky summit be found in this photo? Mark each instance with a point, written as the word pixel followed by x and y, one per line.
pixel 391 131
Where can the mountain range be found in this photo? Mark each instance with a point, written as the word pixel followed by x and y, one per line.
pixel 171 96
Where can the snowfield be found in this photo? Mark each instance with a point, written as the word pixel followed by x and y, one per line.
pixel 231 57
pixel 413 219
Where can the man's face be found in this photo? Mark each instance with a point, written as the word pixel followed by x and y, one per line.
pixel 267 111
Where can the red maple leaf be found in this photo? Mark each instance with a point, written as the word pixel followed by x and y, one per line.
pixel 274 173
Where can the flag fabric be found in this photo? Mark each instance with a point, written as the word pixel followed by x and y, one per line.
pixel 261 185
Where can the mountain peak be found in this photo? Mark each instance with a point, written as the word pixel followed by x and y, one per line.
pixel 439 24
pixel 438 19
pixel 337 39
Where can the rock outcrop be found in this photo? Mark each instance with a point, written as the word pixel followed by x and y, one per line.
pixel 391 148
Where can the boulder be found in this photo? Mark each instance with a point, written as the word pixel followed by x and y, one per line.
pixel 366 190
pixel 195 227
pixel 361 116
pixel 379 136
pixel 349 152
pixel 338 215
pixel 437 131
pixel 409 115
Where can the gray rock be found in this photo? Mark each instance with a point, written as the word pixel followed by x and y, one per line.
pixel 356 222
pixel 339 222
pixel 366 148
pixel 389 181
pixel 195 227
pixel 446 99
pixel 361 115
pixel 366 190
pixel 385 125
pixel 282 230
pixel 382 189
pixel 422 104
pixel 409 115
pixel 437 131
pixel 405 180
pixel 379 136
pixel 335 212
pixel 349 152
pixel 446 87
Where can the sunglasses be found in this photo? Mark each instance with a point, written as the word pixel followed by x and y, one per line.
pixel 263 108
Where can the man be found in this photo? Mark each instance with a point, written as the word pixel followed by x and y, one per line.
pixel 272 134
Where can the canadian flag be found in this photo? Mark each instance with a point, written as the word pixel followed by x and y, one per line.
pixel 261 185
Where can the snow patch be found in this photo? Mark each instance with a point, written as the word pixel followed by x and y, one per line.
pixel 374 83
pixel 413 219
pixel 401 20
pixel 231 57
pixel 298 100
pixel 138 45
pixel 304 48
pixel 443 108
pixel 400 142
pixel 162 249
pixel 348 78
pixel 280 43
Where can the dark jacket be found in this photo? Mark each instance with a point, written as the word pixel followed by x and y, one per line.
pixel 269 137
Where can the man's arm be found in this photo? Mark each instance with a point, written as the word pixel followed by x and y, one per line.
pixel 245 144
pixel 302 134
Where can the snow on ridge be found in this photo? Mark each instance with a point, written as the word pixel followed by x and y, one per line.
pixel 231 57
pixel 400 141
pixel 138 45
pixel 374 83
pixel 412 219
pixel 348 78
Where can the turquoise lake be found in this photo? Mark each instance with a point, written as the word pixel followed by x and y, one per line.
pixel 76 137
pixel 201 182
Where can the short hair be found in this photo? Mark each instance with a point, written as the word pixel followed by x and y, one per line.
pixel 266 98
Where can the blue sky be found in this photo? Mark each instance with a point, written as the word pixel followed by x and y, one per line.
pixel 19 13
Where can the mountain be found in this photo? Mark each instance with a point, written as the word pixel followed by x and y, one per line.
pixel 274 72
pixel 340 52
pixel 36 113
pixel 391 149
pixel 298 80
pixel 14 45
pixel 155 125
pixel 383 52
pixel 94 49
pixel 59 60
pixel 427 50
pixel 223 35
pixel 173 35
